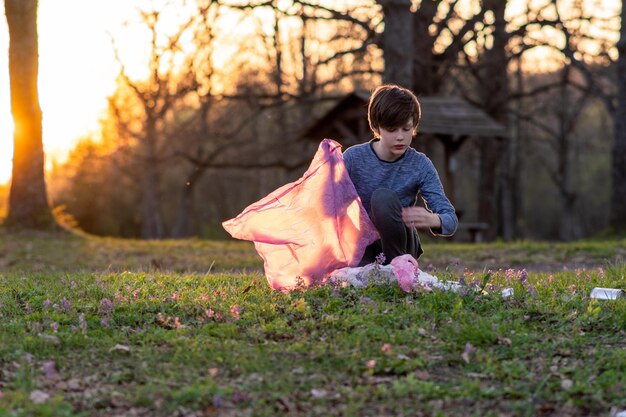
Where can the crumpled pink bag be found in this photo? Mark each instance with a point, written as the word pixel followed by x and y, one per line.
pixel 310 227
pixel 405 267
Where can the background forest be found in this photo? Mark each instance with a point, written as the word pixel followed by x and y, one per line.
pixel 201 137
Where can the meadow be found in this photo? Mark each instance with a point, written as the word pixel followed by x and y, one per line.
pixel 106 327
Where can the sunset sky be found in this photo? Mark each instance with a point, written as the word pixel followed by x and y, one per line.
pixel 77 68
pixel 76 73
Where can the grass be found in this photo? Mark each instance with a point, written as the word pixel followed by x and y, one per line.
pixel 104 327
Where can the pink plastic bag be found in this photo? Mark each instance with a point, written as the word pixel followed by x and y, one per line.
pixel 405 267
pixel 310 227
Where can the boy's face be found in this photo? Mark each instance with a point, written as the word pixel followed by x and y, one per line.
pixel 395 141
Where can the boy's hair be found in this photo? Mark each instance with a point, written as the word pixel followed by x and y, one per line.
pixel 391 106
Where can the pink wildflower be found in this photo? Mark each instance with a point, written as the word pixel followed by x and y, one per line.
pixel 386 348
pixel 510 274
pixel 73 285
pixel 240 396
pixel 50 370
pixel 209 313
pixel 461 279
pixel 106 306
pixel 371 364
pixel 235 311
pixel 380 258
pixel 523 276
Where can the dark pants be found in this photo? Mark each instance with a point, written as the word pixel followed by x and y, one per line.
pixel 395 238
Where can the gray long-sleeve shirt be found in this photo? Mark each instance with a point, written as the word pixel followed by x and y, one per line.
pixel 412 174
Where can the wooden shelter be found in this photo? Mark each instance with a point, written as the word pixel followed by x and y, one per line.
pixel 451 120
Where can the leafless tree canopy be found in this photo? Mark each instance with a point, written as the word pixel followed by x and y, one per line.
pixel 200 138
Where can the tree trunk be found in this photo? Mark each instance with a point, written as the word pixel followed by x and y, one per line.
pixel 397 42
pixel 151 222
pixel 185 204
pixel 618 172
pixel 516 150
pixel 495 96
pixel 569 226
pixel 424 79
pixel 28 202
pixel 181 230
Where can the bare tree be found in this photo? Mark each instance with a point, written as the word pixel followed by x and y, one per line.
pixel 397 42
pixel 618 173
pixel 494 99
pixel 442 30
pixel 166 85
pixel 556 122
pixel 28 203
pixel 602 87
pixel 342 35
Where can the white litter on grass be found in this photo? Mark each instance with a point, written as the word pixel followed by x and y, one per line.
pixel 39 397
pixel 507 292
pixel 360 277
pixel 120 348
pixel 374 273
pixel 607 294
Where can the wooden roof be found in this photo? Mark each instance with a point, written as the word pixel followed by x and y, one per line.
pixel 455 116
pixel 441 115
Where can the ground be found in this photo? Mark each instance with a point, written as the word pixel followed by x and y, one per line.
pixel 107 327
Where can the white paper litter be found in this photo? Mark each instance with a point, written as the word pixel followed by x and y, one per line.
pixel 360 277
pixel 507 292
pixel 607 293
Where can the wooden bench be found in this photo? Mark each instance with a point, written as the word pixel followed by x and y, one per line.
pixel 474 229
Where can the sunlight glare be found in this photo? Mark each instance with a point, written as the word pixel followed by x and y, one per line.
pixel 77 71
pixel 6 121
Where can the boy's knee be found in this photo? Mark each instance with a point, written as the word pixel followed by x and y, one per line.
pixel 384 199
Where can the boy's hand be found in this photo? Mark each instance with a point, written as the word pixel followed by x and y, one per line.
pixel 420 218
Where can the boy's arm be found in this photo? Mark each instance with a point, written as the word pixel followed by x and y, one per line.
pixel 436 201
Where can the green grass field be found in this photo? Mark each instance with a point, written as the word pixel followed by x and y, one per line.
pixel 104 327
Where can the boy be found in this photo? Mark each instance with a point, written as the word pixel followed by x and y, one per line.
pixel 389 175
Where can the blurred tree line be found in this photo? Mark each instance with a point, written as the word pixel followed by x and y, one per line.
pixel 199 138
